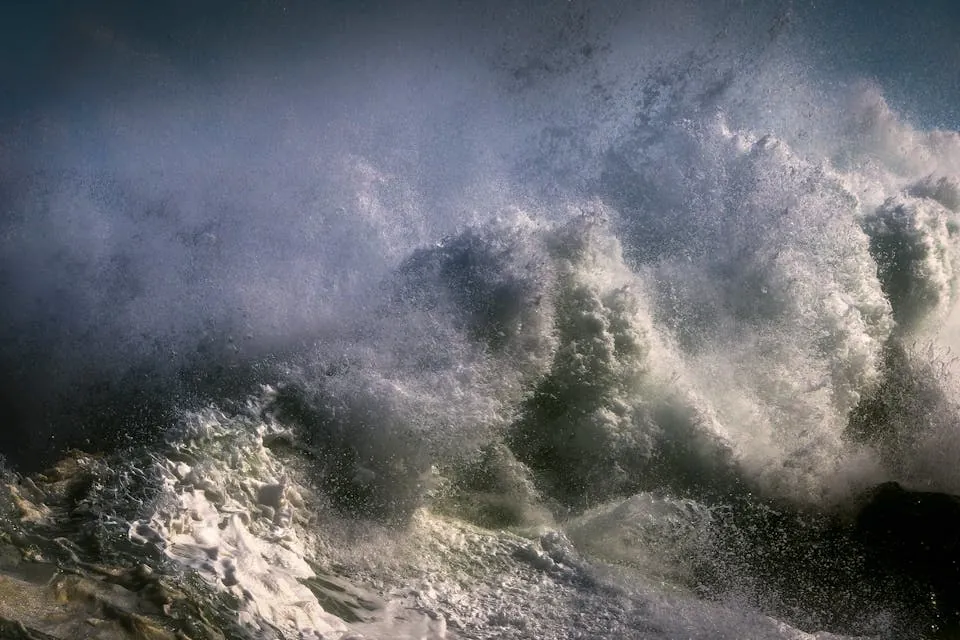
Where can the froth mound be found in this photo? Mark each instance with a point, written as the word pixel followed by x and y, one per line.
pixel 913 239
pixel 596 421
pixel 545 343
pixel 705 322
pixel 717 344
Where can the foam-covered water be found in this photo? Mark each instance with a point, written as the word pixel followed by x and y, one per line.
pixel 594 326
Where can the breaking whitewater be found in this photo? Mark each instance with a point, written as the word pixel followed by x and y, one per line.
pixel 645 380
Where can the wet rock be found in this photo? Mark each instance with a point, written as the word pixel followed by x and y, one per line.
pixel 101 603
pixel 916 535
pixel 73 607
pixel 63 576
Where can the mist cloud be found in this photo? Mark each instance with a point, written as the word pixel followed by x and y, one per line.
pixel 203 185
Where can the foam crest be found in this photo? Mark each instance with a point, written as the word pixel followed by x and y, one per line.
pixel 229 510
pixel 594 423
pixel 765 277
pixel 433 368
pixel 913 240
pixel 879 137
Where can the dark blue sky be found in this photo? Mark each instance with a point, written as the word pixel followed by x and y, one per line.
pixel 43 42
pixel 911 48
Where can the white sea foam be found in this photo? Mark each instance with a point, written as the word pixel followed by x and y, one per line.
pixel 248 523
pixel 229 512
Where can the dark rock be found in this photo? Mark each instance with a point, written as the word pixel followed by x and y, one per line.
pixel 888 566
pixel 63 576
pixel 916 536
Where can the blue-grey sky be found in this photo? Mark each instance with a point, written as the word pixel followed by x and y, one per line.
pixel 911 48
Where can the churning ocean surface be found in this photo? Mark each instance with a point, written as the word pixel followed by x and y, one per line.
pixel 426 320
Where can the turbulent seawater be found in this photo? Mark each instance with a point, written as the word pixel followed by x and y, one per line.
pixel 588 322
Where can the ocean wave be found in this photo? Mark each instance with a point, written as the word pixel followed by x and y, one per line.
pixel 621 311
